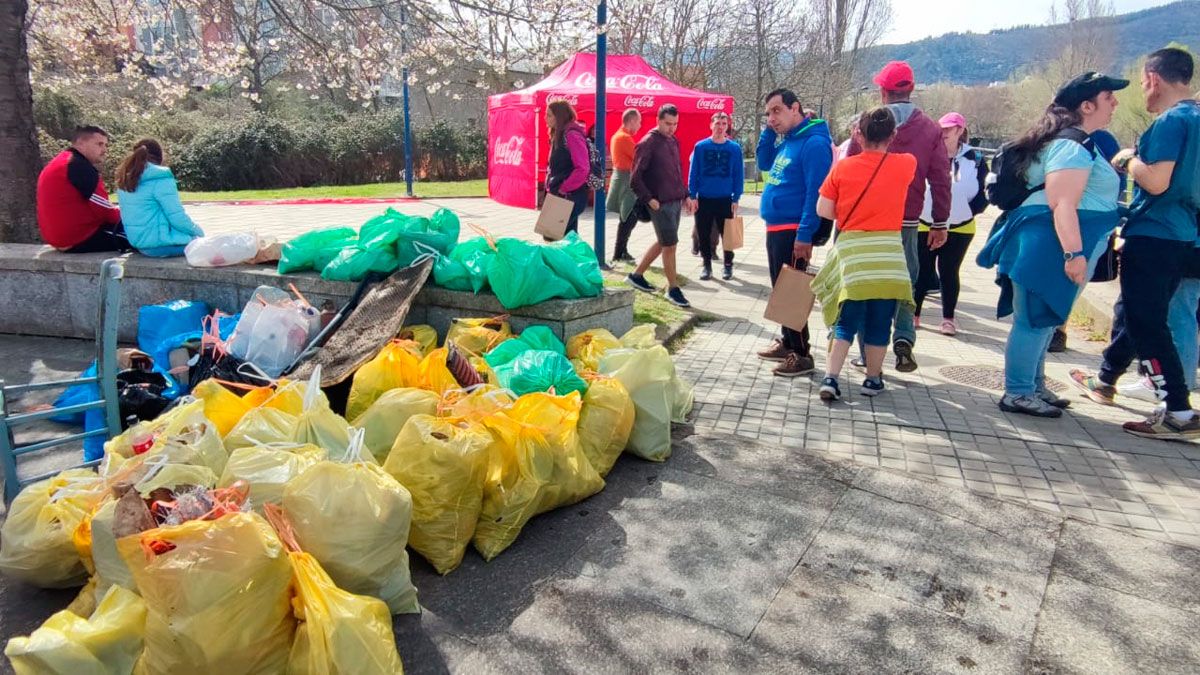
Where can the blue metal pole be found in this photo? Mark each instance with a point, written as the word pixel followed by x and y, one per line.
pixel 601 137
pixel 408 160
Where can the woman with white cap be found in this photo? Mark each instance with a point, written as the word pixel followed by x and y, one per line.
pixel 968 171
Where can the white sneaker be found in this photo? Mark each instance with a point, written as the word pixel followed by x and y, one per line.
pixel 1142 390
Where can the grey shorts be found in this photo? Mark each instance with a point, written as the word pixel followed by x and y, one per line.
pixel 666 222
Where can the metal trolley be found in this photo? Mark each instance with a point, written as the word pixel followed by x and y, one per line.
pixel 111 274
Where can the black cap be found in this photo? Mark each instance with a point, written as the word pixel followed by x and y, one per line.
pixel 1085 87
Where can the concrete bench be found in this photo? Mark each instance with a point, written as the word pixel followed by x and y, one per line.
pixel 54 294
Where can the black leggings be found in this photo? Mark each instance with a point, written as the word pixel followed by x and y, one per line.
pixel 710 226
pixel 948 259
pixel 107 238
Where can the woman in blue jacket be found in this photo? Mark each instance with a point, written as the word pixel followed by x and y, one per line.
pixel 151 211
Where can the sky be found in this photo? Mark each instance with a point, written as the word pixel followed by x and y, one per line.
pixel 916 19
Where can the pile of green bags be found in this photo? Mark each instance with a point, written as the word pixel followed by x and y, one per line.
pixel 383 244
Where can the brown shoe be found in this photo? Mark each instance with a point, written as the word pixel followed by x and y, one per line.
pixel 776 352
pixel 795 365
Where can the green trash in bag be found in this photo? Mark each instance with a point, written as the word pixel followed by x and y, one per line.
pixel 475 255
pixel 504 352
pixel 574 259
pixel 536 370
pixel 541 337
pixel 519 276
pixel 451 274
pixel 314 250
pixel 439 232
pixel 353 264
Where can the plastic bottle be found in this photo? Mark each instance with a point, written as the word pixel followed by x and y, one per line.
pixel 141 440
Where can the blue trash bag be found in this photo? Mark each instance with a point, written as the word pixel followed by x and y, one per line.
pixel 156 323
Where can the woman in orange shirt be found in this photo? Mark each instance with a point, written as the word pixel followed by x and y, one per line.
pixel 865 276
pixel 620 195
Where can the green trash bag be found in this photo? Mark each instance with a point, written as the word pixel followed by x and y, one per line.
pixel 541 337
pixel 519 276
pixel 574 260
pixel 314 250
pixel 475 255
pixel 439 232
pixel 504 352
pixel 451 274
pixel 537 371
pixel 384 229
pixel 354 263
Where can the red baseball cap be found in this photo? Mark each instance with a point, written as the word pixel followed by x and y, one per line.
pixel 896 76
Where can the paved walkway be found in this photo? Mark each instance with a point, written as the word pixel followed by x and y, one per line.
pixel 941 421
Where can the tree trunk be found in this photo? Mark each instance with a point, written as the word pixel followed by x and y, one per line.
pixel 20 161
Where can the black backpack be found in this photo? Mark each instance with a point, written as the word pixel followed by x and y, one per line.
pixel 1009 189
pixel 595 178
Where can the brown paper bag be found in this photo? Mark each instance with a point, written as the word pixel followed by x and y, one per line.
pixel 791 299
pixel 734 236
pixel 552 221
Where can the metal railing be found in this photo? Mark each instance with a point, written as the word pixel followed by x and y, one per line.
pixel 111 274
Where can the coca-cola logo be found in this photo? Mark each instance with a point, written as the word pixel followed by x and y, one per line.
pixel 639 101
pixel 632 81
pixel 508 153
pixel 710 104
pixel 573 99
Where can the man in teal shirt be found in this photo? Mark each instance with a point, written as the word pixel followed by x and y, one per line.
pixel 1159 245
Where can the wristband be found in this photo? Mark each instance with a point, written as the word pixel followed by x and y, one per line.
pixel 1068 257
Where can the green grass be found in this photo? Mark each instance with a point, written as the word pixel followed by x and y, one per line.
pixel 465 188
pixel 652 307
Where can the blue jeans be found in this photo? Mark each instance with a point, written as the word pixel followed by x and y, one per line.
pixel 872 319
pixel 1181 319
pixel 1025 353
pixel 905 330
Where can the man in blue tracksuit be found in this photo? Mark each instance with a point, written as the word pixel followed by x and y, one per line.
pixel 797 152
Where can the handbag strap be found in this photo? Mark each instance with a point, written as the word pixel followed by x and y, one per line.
pixel 865 188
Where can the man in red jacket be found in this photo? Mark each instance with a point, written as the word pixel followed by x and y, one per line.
pixel 74 213
pixel 920 136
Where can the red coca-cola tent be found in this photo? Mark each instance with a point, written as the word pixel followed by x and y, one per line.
pixel 518 146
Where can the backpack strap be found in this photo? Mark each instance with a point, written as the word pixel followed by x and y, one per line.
pixel 1081 137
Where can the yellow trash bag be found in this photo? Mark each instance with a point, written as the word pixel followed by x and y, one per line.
pixel 95 542
pixel 218 596
pixel 435 376
pixel 261 425
pixel 318 424
pixel 647 374
pixel 397 365
pixel 108 642
pixel 536 465
pixel 286 395
pixel 382 422
pixel 441 462
pixel 354 518
pixel 423 335
pixel 183 434
pixel 479 336
pixel 585 349
pixel 475 404
pixel 222 407
pixel 171 476
pixel 641 336
pixel 267 468
pixel 37 541
pixel 339 632
pixel 605 421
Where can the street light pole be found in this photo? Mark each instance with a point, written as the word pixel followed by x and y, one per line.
pixel 601 111
pixel 408 159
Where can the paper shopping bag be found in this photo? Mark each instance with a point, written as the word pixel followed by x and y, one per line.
pixel 791 299
pixel 735 233
pixel 552 221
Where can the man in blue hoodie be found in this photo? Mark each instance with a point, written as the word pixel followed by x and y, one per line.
pixel 796 151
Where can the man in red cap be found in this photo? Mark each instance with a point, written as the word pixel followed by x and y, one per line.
pixel 920 136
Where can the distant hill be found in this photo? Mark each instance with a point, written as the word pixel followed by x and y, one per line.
pixel 981 58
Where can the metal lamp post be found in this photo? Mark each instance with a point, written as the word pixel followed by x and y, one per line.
pixel 601 143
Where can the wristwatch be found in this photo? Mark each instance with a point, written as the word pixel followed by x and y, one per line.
pixel 1068 257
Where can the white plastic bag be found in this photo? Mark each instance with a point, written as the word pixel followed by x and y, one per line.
pixel 273 330
pixel 222 249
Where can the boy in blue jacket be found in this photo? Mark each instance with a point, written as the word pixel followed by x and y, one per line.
pixel 797 152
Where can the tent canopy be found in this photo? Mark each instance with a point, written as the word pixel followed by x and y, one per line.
pixel 518 147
